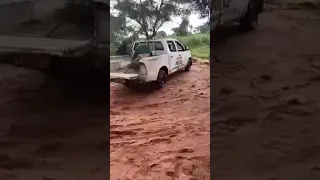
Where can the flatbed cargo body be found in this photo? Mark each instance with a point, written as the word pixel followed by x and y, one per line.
pixel 37 45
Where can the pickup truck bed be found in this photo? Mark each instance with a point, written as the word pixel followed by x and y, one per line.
pixel 35 45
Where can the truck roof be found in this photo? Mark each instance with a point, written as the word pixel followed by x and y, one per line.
pixel 160 39
pixel 168 39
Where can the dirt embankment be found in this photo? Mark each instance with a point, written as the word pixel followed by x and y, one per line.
pixel 265 99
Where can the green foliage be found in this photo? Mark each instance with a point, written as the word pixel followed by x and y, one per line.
pixel 204 28
pixel 122 49
pixel 203 7
pixel 149 14
pixel 194 40
pixel 199 44
pixel 125 46
pixel 118 29
pixel 201 52
pixel 182 29
pixel 162 34
pixel 200 6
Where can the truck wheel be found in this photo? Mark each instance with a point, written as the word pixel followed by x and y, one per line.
pixel 188 67
pixel 250 20
pixel 162 78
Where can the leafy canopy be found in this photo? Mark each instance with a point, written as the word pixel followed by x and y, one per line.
pixel 118 28
pixel 200 6
pixel 182 29
pixel 150 15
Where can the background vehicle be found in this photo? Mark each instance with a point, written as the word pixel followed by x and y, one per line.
pixel 42 50
pixel 166 56
pixel 246 12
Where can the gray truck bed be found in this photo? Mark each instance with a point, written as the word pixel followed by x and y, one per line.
pixel 59 47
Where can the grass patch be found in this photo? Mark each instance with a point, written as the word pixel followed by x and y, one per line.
pixel 202 52
pixel 199 44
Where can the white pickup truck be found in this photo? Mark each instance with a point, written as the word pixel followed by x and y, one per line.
pixel 246 12
pixel 166 56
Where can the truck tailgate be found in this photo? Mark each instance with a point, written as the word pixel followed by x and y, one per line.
pixel 117 65
pixel 123 76
pixel 59 47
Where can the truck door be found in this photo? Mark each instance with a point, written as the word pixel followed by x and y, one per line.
pixel 230 10
pixel 181 55
pixel 173 57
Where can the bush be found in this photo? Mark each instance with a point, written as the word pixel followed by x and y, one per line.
pixel 199 44
pixel 194 40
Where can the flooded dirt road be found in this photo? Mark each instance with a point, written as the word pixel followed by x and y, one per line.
pixel 51 130
pixel 265 99
pixel 162 134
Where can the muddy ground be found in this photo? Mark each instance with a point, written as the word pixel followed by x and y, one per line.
pixel 265 99
pixel 50 130
pixel 162 134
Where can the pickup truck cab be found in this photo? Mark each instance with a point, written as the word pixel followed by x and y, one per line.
pixel 246 12
pixel 153 61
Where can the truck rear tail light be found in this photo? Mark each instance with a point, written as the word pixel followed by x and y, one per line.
pixel 142 69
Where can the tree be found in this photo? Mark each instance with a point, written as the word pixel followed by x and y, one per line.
pixel 125 47
pixel 200 6
pixel 118 28
pixel 149 14
pixel 182 30
pixel 203 7
pixel 162 34
pixel 204 28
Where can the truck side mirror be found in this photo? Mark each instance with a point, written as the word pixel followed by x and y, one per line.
pixel 186 48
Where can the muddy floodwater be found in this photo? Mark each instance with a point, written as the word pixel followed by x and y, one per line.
pixel 265 101
pixel 162 134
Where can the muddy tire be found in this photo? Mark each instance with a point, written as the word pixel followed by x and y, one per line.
pixel 250 20
pixel 188 67
pixel 162 79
